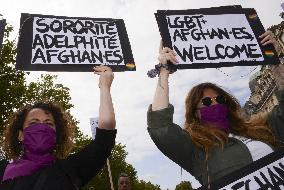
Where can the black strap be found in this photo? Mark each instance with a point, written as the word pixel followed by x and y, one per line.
pixel 41 179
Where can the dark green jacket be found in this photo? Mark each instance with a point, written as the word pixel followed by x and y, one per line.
pixel 177 144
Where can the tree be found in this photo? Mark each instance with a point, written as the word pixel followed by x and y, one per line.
pixel 184 185
pixel 118 164
pixel 12 82
pixel 143 185
pixel 44 89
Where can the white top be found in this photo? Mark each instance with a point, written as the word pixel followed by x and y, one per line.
pixel 257 149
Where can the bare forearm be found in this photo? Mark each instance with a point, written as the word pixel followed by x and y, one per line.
pixel 161 97
pixel 106 111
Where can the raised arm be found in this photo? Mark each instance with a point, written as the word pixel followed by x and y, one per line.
pixel 106 111
pixel 161 97
pixel 86 163
pixel 171 139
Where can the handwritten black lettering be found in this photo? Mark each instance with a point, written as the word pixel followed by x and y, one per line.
pixel 112 42
pixel 56 26
pixel 50 53
pixel 209 56
pixel 240 33
pixel 238 185
pixel 184 54
pixel 40 23
pixel 37 42
pixel 86 56
pixel 178 34
pixel 39 55
pixel 110 29
pixel 48 41
pixel 251 51
pixel 76 41
pixel 197 51
pixel 68 25
pixel 97 56
pixel 265 184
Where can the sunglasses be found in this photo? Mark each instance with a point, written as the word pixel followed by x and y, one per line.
pixel 207 101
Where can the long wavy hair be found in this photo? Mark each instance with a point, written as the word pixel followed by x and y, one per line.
pixel 208 137
pixel 65 129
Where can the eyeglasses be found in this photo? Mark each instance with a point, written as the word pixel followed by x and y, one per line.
pixel 207 101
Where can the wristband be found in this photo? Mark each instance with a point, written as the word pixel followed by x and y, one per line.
pixel 154 72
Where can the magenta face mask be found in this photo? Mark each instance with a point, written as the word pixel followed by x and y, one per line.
pixel 216 115
pixel 39 139
pixel 39 143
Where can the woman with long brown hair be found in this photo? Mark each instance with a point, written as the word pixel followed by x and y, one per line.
pixel 216 139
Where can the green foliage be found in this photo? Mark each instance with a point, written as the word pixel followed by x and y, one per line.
pixel 44 89
pixel 184 185
pixel 143 185
pixel 12 82
pixel 118 165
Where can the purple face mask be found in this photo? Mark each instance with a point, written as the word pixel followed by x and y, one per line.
pixel 39 143
pixel 39 139
pixel 216 115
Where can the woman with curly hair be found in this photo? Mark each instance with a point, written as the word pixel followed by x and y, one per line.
pixel 38 139
pixel 216 139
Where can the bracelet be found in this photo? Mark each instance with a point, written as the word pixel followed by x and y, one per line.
pixel 154 72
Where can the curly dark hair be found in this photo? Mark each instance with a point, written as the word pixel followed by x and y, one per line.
pixel 65 128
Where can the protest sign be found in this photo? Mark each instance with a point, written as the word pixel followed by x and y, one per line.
pixel 57 43
pixel 215 37
pixel 94 122
pixel 265 173
pixel 2 30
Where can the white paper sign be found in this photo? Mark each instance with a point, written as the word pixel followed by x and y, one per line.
pixel 213 38
pixel 74 41
pixel 94 122
pixel 269 177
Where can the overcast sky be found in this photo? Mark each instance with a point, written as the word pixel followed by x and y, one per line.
pixel 132 91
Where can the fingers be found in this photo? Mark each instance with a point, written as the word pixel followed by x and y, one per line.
pixel 106 76
pixel 171 57
pixel 268 42
pixel 267 38
pixel 168 50
pixel 167 54
pixel 102 68
pixel 266 33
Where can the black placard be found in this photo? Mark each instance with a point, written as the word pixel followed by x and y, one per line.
pixel 265 173
pixel 59 43
pixel 215 37
pixel 2 30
